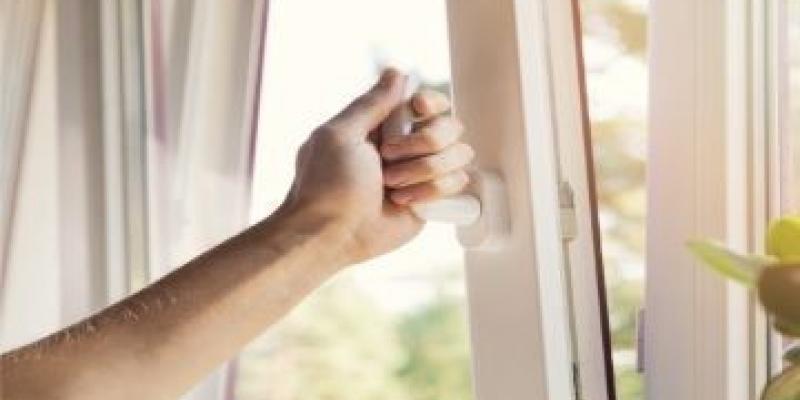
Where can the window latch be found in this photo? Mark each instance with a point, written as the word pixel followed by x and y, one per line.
pixel 569 219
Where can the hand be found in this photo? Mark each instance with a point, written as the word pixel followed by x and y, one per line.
pixel 779 291
pixel 343 174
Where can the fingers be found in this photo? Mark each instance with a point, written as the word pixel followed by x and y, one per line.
pixel 411 172
pixel 443 186
pixel 427 164
pixel 431 138
pixel 430 103
pixel 368 111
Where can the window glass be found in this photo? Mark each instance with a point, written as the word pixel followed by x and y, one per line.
pixel 394 328
pixel 615 47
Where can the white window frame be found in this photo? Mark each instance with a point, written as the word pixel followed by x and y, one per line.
pixel 714 171
pixel 534 321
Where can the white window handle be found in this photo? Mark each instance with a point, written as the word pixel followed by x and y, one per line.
pixel 461 210
pixel 481 213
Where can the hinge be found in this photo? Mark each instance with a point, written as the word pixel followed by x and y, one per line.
pixel 640 341
pixel 569 220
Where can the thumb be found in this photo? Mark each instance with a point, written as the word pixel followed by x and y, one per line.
pixel 368 111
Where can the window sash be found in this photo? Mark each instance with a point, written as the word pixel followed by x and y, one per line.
pixel 517 86
pixel 714 171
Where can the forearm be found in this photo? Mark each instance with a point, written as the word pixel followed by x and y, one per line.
pixel 159 342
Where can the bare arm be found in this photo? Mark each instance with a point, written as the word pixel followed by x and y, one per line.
pixel 157 343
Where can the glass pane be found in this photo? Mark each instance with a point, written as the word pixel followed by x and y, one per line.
pixel 615 48
pixel 394 328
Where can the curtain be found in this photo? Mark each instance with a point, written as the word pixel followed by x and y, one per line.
pixel 20 23
pixel 138 155
pixel 203 65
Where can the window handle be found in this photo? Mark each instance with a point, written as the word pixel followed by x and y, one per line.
pixel 480 212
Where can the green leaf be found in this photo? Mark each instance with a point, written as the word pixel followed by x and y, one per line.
pixel 738 267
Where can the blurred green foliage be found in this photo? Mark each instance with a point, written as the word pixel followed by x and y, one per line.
pixel 437 366
pixel 338 345
pixel 620 167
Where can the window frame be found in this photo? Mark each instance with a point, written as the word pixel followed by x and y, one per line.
pixel 517 79
pixel 714 139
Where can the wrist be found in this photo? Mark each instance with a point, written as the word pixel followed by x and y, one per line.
pixel 322 236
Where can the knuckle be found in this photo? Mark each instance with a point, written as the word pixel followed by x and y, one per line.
pixel 444 185
pixel 463 179
pixel 424 100
pixel 455 181
pixel 330 129
pixel 466 151
pixel 331 132
pixel 334 135
pixel 436 163
pixel 426 168
pixel 367 101
pixel 451 128
pixel 430 139
pixel 420 103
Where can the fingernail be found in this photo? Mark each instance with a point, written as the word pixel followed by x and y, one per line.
pixel 402 198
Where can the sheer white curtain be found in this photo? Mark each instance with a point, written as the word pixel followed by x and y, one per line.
pixel 203 70
pixel 19 35
pixel 134 156
pixel 23 313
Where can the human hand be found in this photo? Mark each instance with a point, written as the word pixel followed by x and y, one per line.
pixel 346 174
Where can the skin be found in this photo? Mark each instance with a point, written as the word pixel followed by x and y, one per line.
pixel 349 203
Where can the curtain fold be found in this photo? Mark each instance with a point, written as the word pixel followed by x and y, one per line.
pixel 20 31
pixel 203 74
pixel 20 26
pixel 156 114
pixel 202 105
